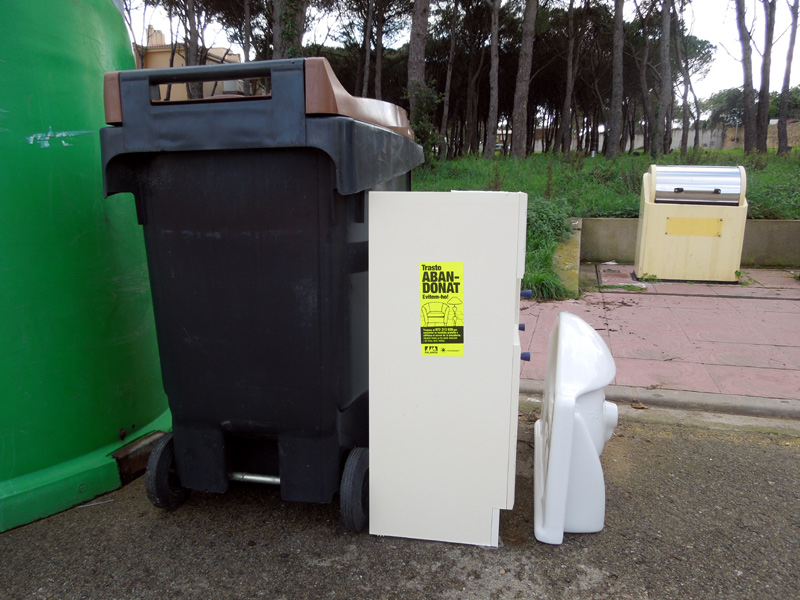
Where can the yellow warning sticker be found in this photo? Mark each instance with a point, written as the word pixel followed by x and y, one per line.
pixel 441 303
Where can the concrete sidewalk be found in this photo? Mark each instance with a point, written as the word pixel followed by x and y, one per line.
pixel 694 509
pixel 719 347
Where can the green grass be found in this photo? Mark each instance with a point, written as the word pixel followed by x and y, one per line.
pixel 596 187
pixel 580 186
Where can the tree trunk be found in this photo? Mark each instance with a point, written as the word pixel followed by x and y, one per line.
pixel 550 133
pixel 471 127
pixel 598 116
pixel 530 126
pixel 697 109
pixel 416 49
pixel 461 135
pixel 665 91
pixel 624 134
pixel 194 89
pixel 367 44
pixel 288 26
pixel 762 114
pixel 563 134
pixel 681 55
pixel 747 68
pixel 697 113
pixel 783 137
pixel 380 23
pixel 470 121
pixel 643 64
pixel 667 143
pixel 519 116
pixel 494 92
pixel 248 31
pixel 191 40
pixel 612 137
pixel 139 49
pixel 632 128
pixel 173 48
pixel 647 136
pixel 451 56
pixel 626 109
pixel 299 28
pixel 685 121
pixel 277 27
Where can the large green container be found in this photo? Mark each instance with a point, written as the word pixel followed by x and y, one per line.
pixel 78 357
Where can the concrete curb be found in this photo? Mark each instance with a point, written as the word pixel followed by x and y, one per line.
pixel 751 406
pixel 766 242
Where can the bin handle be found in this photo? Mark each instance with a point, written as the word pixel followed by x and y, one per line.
pixel 203 73
pixel 206 73
pixel 680 190
pixel 212 72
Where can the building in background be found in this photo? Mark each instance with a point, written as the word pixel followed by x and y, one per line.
pixel 158 54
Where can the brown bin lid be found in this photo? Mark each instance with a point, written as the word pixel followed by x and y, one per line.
pixel 326 96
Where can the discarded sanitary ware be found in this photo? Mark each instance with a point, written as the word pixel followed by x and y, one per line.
pixel 577 421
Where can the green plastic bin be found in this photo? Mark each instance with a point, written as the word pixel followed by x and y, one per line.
pixel 79 361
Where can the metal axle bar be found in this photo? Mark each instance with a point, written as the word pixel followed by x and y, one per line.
pixel 253 478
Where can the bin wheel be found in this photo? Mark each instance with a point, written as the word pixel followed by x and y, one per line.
pixel 354 491
pixel 161 480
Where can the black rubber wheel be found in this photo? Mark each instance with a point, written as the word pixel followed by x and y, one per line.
pixel 161 480
pixel 354 491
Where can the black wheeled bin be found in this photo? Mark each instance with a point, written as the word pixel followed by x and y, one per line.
pixel 254 218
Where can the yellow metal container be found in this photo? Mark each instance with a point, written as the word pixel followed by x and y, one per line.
pixel 691 223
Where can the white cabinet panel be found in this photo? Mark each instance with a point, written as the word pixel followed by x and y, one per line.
pixel 444 271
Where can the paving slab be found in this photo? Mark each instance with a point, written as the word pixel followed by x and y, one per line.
pixel 763 283
pixel 740 340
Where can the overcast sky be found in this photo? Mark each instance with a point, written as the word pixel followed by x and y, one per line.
pixel 715 21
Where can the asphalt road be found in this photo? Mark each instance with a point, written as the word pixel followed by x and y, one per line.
pixel 698 506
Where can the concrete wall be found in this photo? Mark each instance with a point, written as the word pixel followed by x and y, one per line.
pixel 771 243
pixel 766 243
pixel 712 139
pixel 709 139
pixel 603 240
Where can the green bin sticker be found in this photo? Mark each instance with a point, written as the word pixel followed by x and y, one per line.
pixel 441 301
